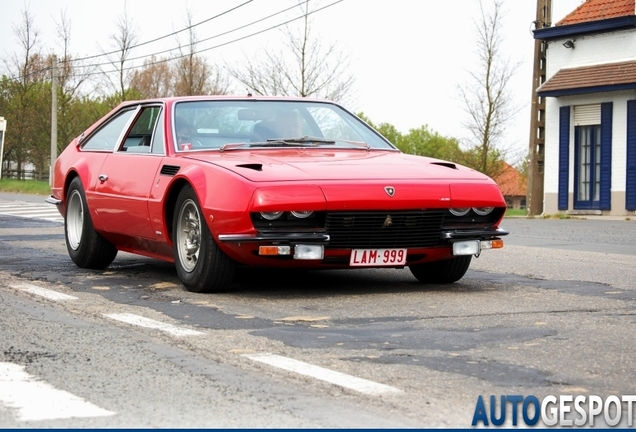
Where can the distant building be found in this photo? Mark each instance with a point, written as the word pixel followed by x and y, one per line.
pixel 590 123
pixel 513 186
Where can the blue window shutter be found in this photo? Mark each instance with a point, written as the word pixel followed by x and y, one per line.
pixel 606 156
pixel 564 156
pixel 630 186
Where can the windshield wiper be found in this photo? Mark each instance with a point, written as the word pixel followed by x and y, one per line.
pixel 360 144
pixel 230 146
pixel 294 142
pixel 304 141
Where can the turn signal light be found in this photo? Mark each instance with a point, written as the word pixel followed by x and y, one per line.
pixel 274 250
pixel 492 244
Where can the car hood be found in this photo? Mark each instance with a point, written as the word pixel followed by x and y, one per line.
pixel 318 164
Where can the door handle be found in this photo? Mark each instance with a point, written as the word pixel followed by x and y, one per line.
pixel 102 178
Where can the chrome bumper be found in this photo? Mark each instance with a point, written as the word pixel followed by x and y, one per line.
pixel 473 234
pixel 277 237
pixel 52 200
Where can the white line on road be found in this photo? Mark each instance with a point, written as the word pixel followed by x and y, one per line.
pixel 338 378
pixel 30 210
pixel 43 292
pixel 149 323
pixel 37 400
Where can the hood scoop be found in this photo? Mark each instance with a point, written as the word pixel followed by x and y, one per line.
pixel 252 166
pixel 445 164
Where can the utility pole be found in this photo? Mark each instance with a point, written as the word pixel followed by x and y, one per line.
pixel 3 130
pixel 53 117
pixel 536 153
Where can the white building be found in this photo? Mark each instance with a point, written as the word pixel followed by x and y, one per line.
pixel 590 123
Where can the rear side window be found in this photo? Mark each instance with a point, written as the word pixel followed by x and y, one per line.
pixel 139 138
pixel 157 146
pixel 106 137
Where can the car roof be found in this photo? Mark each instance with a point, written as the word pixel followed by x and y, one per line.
pixel 174 99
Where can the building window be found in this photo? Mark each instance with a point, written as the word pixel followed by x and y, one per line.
pixel 587 173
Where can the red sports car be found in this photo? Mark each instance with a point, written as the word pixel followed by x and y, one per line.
pixel 212 183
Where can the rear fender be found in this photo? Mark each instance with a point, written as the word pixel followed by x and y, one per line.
pixel 82 169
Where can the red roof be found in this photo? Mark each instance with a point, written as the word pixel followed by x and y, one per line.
pixel 594 10
pixel 609 74
pixel 511 182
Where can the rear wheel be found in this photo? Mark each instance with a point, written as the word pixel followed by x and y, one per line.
pixel 201 265
pixel 447 271
pixel 86 247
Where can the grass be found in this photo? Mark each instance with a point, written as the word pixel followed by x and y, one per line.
pixel 516 212
pixel 559 216
pixel 33 187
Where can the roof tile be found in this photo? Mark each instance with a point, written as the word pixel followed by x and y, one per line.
pixel 594 10
pixel 591 76
pixel 511 182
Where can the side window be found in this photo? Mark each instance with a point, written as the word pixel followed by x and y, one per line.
pixel 106 137
pixel 140 136
pixel 157 146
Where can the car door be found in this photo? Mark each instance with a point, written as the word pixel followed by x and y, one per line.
pixel 125 178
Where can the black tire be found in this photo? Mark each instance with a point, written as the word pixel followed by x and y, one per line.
pixel 442 272
pixel 86 247
pixel 201 265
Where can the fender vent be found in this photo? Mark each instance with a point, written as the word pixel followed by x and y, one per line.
pixel 169 170
pixel 255 167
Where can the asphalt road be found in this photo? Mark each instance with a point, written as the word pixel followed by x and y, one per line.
pixel 552 313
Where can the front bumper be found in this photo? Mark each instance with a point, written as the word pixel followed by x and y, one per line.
pixel 323 238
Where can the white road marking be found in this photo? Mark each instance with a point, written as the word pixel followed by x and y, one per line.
pixel 42 211
pixel 43 292
pixel 338 378
pixel 38 400
pixel 150 323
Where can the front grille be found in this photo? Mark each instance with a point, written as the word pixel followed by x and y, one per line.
pixel 384 229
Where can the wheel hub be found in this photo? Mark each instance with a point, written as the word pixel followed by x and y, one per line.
pixel 189 237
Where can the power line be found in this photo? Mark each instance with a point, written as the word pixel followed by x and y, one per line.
pixel 195 52
pixel 20 77
pixel 219 45
pixel 162 37
pixel 205 39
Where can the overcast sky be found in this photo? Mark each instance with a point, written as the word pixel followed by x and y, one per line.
pixel 408 56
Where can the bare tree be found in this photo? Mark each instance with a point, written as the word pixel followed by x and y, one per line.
pixel 124 40
pixel 154 79
pixel 72 75
pixel 486 97
pixel 305 67
pixel 192 74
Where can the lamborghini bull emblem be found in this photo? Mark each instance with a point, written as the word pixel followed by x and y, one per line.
pixel 390 190
pixel 387 222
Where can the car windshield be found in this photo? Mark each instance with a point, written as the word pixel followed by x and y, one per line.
pixel 228 125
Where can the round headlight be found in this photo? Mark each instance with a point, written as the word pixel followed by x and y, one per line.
pixel 483 211
pixel 302 214
pixel 271 215
pixel 461 211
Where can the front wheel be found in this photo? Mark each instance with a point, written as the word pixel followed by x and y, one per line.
pixel 442 272
pixel 201 265
pixel 86 247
